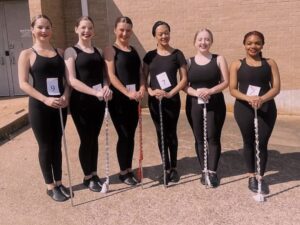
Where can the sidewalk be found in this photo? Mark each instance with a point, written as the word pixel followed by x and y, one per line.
pixel 14 115
pixel 24 201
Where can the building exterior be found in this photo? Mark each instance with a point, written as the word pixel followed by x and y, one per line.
pixel 229 21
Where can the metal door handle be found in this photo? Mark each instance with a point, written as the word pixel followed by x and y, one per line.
pixel 11 45
pixel 12 58
pixel 2 62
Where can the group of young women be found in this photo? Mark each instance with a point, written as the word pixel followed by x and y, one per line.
pixel 87 79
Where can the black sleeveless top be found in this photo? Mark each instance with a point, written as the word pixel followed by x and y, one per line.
pixel 127 66
pixel 204 76
pixel 89 67
pixel 260 76
pixel 89 70
pixel 44 68
pixel 168 64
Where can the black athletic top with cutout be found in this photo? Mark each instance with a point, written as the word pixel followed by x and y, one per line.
pixel 47 67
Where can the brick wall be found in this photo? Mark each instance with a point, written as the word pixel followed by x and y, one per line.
pixel 54 10
pixel 35 7
pixel 228 20
pixel 70 19
pixel 98 12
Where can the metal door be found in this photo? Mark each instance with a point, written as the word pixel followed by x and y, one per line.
pixel 17 36
pixel 4 84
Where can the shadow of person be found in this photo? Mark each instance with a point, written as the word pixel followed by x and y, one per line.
pixel 231 163
pixel 286 165
pixel 281 168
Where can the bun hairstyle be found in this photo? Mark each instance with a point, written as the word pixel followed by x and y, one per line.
pixel 256 33
pixel 123 19
pixel 35 18
pixel 83 18
pixel 208 31
pixel 158 23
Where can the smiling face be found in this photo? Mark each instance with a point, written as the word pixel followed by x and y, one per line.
pixel 253 45
pixel 162 35
pixel 42 29
pixel 123 32
pixel 203 41
pixel 85 30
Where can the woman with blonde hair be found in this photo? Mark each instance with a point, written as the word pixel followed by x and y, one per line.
pixel 207 78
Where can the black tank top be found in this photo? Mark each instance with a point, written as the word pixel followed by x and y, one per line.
pixel 258 76
pixel 45 68
pixel 127 66
pixel 168 64
pixel 208 76
pixel 89 67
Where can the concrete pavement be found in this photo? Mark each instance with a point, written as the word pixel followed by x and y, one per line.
pixel 13 115
pixel 24 201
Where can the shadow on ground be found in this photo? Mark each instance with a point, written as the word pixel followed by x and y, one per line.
pixel 282 168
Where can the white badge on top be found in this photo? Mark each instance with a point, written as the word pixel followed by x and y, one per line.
pixel 97 87
pixel 52 86
pixel 253 90
pixel 131 87
pixel 201 101
pixel 163 80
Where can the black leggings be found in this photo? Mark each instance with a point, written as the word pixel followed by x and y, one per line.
pixel 244 116
pixel 170 114
pixel 216 112
pixel 46 126
pixel 88 114
pixel 124 114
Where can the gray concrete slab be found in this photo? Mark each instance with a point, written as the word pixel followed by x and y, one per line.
pixel 24 201
pixel 14 112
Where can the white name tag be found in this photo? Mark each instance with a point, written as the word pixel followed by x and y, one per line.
pixel 253 90
pixel 52 86
pixel 201 101
pixel 163 80
pixel 131 87
pixel 97 87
